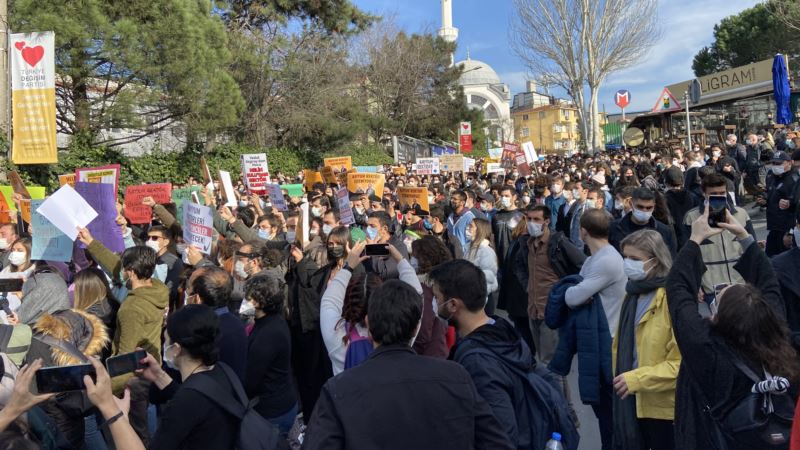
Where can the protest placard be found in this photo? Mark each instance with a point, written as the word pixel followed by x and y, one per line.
pixel 311 177
pixel 179 196
pixel 227 188
pixel 197 226
pixel 509 155
pixel 328 175
pixel 451 163
pixel 427 166
pixel 104 227
pixel 305 225
pixel 25 209
pixel 495 168
pixel 104 174
pixel 367 183
pixel 411 197
pixel 276 197
pixel 496 153
pixel 522 164
pixel 346 216
pixel 367 169
pixel 138 213
pixel 399 170
pixel 206 172
pixel 469 164
pixel 530 152
pixel 36 193
pixel 256 172
pixel 68 211
pixel 17 184
pixel 293 190
pixel 67 178
pixel 48 243
pixel 340 164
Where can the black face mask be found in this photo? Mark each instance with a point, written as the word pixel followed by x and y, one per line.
pixel 335 252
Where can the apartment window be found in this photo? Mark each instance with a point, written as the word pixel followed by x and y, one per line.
pixel 565 113
pixel 541 114
pixel 526 132
pixel 524 117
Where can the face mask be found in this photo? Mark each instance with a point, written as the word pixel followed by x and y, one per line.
pixel 716 153
pixel 360 210
pixel 619 206
pixel 777 170
pixel 485 207
pixel 3 243
pixel 154 245
pixel 247 309
pixel 576 193
pixel 469 236
pixel 336 252
pixel 427 224
pixel 591 203
pixel 634 270
pixel 168 360
pixel 16 258
pixel 431 199
pixel 263 204
pixel 316 211
pixel 535 229
pixel 326 229
pixel 243 204
pixel 642 216
pixel 790 143
pixel 796 234
pixel 238 269
pixel 160 272
pixel 313 233
pixel 263 234
pixel 505 202
pixel 372 233
pixel 556 188
pixel 408 245
pixel 414 262
pixel 291 236
pixel 438 308
pixel 526 199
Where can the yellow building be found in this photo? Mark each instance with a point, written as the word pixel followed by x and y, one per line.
pixel 551 128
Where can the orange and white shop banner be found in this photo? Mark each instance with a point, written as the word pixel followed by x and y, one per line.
pixel 33 98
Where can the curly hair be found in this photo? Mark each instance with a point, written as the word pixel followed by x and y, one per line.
pixel 430 251
pixel 267 292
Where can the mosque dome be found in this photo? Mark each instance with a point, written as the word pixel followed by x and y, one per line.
pixel 477 72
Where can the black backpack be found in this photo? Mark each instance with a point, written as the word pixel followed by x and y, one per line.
pixel 757 421
pixel 255 432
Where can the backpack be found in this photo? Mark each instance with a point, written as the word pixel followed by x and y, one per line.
pixel 761 420
pixel 255 432
pixel 15 341
pixel 358 348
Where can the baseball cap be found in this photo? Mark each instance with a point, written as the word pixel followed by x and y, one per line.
pixel 780 156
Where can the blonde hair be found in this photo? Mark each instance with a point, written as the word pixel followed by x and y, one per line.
pixel 483 232
pixel 90 288
pixel 651 242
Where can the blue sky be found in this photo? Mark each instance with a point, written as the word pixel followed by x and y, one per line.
pixel 482 27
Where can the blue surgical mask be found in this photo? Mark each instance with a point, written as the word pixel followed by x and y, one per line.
pixel 290 236
pixel 634 270
pixel 372 233
pixel 263 234
pixel 161 272
pixel 427 224
pixel 326 229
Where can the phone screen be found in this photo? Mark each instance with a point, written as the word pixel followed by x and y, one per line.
pixel 125 363
pixel 717 205
pixel 62 379
pixel 376 250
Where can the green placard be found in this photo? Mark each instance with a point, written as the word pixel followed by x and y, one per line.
pixel 185 195
pixel 37 193
pixel 294 190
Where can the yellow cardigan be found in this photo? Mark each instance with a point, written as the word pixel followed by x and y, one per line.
pixel 653 381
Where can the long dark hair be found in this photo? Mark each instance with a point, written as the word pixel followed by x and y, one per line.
pixel 750 326
pixel 356 299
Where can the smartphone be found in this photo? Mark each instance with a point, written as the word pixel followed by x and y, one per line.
pixel 376 250
pixel 63 379
pixel 717 207
pixel 125 363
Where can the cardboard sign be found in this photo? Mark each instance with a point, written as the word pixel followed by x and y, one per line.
pixel 367 183
pixel 522 164
pixel 427 166
pixel 227 188
pixel 495 168
pixel 36 192
pixel 310 178
pixel 469 164
pixel 68 211
pixel 341 164
pixel 104 227
pixel 530 152
pixel 205 171
pixel 410 197
pixel 293 190
pixel 181 196
pixel 451 163
pixel 276 197
pixel 68 178
pixel 197 224
pixel 256 172
pixel 25 209
pixel 509 155
pixel 305 224
pixel 346 216
pixel 138 213
pixel 18 185
pixel 5 210
pixel 495 153
pixel 104 174
pixel 328 175
pixel 399 170
pixel 48 243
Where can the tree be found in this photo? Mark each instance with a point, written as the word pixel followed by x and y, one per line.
pixel 139 65
pixel 754 34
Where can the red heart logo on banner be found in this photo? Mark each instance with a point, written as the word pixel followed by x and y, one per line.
pixel 32 55
pixel 465 126
pixel 20 45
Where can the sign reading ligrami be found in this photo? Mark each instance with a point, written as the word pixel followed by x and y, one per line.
pixel 33 98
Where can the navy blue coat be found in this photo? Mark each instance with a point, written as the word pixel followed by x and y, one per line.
pixel 582 330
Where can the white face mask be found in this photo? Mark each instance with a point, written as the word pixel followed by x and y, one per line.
pixel 16 258
pixel 591 203
pixel 796 233
pixel 642 216
pixel 316 211
pixel 3 243
pixel 556 188
pixel 535 229
pixel 168 360
pixel 470 236
pixel 526 199
pixel 634 270
pixel 160 272
pixel 154 245
pixel 576 194
pixel 247 309
pixel 238 269
pixel 505 202
pixel 290 236
pixel 327 229
pixel 716 153
pixel 778 169
pixel 619 206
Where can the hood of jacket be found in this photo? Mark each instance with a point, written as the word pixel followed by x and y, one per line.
pixel 501 339
pixel 82 329
pixel 157 294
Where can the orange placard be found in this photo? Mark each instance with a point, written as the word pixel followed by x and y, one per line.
pixel 25 209
pixel 340 164
pixel 68 178
pixel 367 183
pixel 399 170
pixel 328 175
pixel 311 177
pixel 409 197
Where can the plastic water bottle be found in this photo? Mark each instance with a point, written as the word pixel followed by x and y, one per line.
pixel 554 443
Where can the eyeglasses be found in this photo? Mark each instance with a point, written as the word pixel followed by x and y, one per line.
pixel 153 238
pixel 247 255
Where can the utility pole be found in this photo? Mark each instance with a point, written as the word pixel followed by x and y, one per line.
pixel 688 123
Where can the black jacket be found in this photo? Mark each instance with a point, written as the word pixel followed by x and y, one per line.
pixel 679 203
pixel 513 295
pixel 503 224
pixel 232 342
pixel 397 399
pixel 786 266
pixel 495 356
pixel 707 376
pixel 269 376
pixel 624 226
pixel 783 187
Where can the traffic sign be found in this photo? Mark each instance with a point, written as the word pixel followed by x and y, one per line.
pixel 622 98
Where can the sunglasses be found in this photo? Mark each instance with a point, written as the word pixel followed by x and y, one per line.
pixel 153 238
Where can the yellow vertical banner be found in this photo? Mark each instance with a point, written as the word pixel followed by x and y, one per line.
pixel 33 98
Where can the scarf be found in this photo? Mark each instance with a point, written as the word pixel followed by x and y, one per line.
pixel 626 426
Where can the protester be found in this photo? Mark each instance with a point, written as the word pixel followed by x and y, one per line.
pixel 457 223
pixel 643 203
pixel 8 235
pixel 781 201
pixel 427 253
pixel 504 222
pixel 786 269
pixel 481 253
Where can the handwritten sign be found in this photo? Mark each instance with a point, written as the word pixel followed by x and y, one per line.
pixel 276 197
pixel 36 192
pixel 104 227
pixel 451 163
pixel 104 174
pixel 345 211
pixel 48 242
pixel 256 172
pixel 367 183
pixel 138 213
pixel 197 223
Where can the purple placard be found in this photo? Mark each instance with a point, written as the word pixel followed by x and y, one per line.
pixel 104 228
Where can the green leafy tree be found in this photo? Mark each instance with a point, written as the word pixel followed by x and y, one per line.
pixel 137 64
